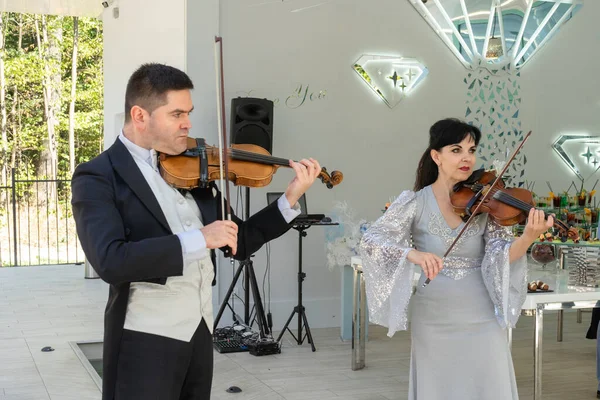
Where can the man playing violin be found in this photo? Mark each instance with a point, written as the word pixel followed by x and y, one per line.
pixel 155 245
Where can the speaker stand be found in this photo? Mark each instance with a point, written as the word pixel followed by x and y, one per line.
pixel 250 283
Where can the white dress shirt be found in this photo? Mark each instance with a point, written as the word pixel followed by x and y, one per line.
pixel 175 309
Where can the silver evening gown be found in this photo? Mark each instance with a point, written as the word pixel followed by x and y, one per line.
pixel 458 322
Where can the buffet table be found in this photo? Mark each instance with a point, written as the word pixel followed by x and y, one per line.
pixel 563 298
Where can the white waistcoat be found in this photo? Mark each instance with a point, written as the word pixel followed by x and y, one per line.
pixel 175 309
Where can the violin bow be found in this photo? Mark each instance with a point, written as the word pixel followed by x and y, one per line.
pixel 485 197
pixel 222 127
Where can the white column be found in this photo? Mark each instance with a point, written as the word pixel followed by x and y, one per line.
pixel 202 27
pixel 144 31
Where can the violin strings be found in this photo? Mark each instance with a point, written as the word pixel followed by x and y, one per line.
pixel 510 200
pixel 247 157
pixel 257 157
pixel 249 153
pixel 527 206
pixel 513 201
pixel 250 156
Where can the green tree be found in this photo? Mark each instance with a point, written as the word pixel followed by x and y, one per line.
pixel 37 63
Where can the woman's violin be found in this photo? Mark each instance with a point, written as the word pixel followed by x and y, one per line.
pixel 486 192
pixel 507 206
pixel 249 165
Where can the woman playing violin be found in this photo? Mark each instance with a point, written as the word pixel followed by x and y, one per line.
pixel 155 245
pixel 459 346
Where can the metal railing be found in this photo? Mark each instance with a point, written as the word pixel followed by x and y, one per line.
pixel 36 223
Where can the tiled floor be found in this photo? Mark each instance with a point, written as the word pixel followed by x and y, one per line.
pixel 51 306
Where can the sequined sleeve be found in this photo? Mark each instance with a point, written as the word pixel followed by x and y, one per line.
pixel 506 282
pixel 388 275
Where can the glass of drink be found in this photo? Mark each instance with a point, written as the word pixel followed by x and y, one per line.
pixel 556 201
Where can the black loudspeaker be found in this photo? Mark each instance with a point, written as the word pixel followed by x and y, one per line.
pixel 252 122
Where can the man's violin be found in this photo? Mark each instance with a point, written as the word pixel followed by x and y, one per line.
pixel 249 165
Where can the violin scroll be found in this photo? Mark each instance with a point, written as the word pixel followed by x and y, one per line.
pixel 564 231
pixel 330 180
pixel 573 234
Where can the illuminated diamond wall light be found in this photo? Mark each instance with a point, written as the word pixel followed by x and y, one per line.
pixel 580 152
pixel 390 78
pixel 524 26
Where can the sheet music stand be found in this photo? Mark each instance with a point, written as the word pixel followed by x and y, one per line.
pixel 301 227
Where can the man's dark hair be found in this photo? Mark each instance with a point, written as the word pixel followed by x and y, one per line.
pixel 149 84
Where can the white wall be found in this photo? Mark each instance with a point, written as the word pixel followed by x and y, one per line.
pixel 146 31
pixel 561 94
pixel 202 25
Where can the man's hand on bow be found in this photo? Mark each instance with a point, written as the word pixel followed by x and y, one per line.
pixel 219 234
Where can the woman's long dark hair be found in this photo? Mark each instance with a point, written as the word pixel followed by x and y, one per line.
pixel 443 133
